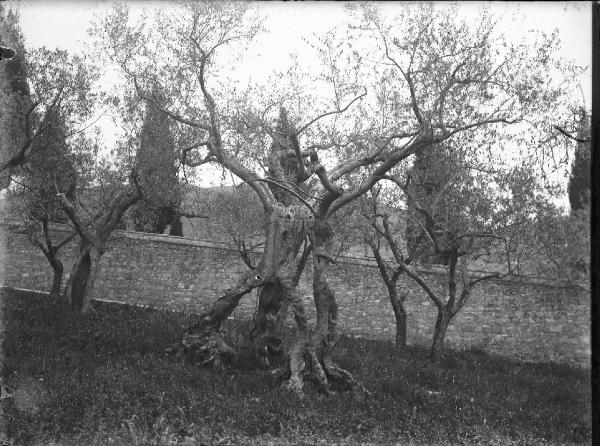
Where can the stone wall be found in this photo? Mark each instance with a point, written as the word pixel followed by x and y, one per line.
pixel 518 318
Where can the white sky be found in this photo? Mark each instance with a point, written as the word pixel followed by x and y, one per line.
pixel 64 24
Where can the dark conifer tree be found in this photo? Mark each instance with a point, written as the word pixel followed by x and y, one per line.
pixel 14 90
pixel 579 181
pixel 157 161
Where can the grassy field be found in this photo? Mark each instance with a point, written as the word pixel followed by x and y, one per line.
pixel 104 379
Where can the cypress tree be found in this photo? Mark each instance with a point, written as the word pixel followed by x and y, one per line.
pixel 579 180
pixel 430 173
pixel 157 161
pixel 14 91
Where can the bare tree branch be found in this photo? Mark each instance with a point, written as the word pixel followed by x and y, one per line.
pixel 84 128
pixel 482 278
pixel 388 163
pixel 568 135
pixel 173 115
pixel 119 205
pixel 380 264
pixel 244 252
pixel 417 278
pixel 71 212
pixel 338 111
pixel 278 184
pixel 478 124
pixel 302 262
pixel 65 241
pixel 406 74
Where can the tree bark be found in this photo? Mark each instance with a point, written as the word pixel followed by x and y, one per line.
pixel 439 334
pixel 400 315
pixel 400 332
pixel 201 342
pixel 264 334
pixel 280 292
pixel 391 284
pixel 311 357
pixel 81 287
pixel 275 300
pixel 57 268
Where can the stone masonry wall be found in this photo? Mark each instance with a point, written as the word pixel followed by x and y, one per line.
pixel 520 319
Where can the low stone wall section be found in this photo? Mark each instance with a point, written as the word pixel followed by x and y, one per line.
pixel 524 319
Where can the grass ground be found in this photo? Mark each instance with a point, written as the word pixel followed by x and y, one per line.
pixel 104 379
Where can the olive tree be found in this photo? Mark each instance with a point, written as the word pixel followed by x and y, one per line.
pixel 555 244
pixel 60 167
pixel 36 86
pixel 33 197
pixel 445 79
pixel 48 102
pixel 381 225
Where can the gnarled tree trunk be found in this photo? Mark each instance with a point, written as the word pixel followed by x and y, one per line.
pixel 81 285
pixel 202 342
pixel 311 357
pixel 274 303
pixel 285 232
pixel 268 322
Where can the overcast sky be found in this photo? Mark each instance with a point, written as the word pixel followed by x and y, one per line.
pixel 64 24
